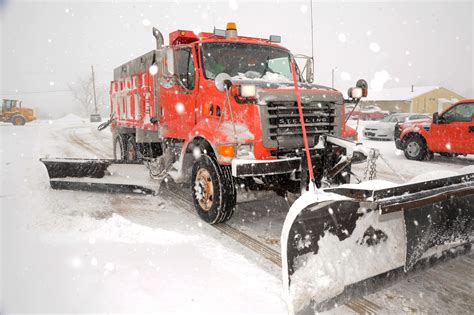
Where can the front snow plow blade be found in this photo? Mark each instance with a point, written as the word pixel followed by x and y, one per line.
pixel 100 175
pixel 348 242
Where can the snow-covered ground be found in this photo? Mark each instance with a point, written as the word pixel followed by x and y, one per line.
pixel 71 252
pixel 66 252
pixel 397 161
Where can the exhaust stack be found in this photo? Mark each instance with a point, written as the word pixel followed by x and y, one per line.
pixel 160 42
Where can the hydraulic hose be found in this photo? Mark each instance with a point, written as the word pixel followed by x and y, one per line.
pixel 303 127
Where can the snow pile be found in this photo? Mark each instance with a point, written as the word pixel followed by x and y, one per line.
pixel 442 174
pixel 339 263
pixel 433 175
pixel 467 169
pixel 371 184
pixel 117 229
pixel 268 77
pixel 70 119
pixel 242 133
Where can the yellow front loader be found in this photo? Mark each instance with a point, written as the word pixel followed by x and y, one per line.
pixel 13 112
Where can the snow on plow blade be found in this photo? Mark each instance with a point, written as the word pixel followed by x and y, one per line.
pixel 99 175
pixel 344 243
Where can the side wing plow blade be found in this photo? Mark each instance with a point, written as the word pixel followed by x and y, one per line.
pixel 100 175
pixel 345 243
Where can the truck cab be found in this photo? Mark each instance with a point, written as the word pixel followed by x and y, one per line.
pixel 222 109
pixel 449 133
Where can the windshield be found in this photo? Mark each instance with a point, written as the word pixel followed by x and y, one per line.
pixel 394 118
pixel 247 61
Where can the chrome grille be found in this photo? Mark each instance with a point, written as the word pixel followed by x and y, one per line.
pixel 284 126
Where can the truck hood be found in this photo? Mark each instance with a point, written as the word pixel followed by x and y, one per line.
pixel 273 87
pixel 269 91
pixel 416 123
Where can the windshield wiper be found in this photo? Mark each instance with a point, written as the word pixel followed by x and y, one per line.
pixel 266 67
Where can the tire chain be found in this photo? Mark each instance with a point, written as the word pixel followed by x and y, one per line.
pixel 370 171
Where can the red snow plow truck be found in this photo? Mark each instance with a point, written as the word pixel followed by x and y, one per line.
pixel 219 111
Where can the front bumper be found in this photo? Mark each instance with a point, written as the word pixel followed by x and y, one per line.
pixel 378 134
pixel 245 168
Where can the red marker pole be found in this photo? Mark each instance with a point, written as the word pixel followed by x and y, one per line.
pixel 303 127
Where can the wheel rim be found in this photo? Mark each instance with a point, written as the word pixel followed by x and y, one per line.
pixel 413 149
pixel 204 189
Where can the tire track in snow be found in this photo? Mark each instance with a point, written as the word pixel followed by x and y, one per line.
pixel 177 196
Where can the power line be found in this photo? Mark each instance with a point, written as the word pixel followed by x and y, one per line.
pixel 312 29
pixel 36 92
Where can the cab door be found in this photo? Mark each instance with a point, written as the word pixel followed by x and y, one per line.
pixel 454 131
pixel 179 99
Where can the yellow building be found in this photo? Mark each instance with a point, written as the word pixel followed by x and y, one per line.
pixel 414 99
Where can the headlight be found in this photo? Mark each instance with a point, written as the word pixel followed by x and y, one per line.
pixel 248 90
pixel 244 150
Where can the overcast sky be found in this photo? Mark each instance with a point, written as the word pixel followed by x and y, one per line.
pixel 46 45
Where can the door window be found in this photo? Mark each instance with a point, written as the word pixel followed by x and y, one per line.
pixel 7 105
pixel 185 68
pixel 461 112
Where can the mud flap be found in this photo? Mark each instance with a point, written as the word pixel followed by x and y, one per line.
pixel 344 243
pixel 100 175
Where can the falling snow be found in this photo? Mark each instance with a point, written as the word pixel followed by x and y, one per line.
pixel 233 5
pixel 342 37
pixel 374 47
pixel 345 76
pixel 179 108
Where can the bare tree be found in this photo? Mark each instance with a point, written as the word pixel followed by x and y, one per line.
pixel 83 92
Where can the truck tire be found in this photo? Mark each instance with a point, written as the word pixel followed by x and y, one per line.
pixel 232 193
pixel 415 148
pixel 120 147
pixel 18 120
pixel 132 153
pixel 213 190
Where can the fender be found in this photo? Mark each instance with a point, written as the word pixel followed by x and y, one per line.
pixel 408 130
pixel 210 132
pixel 223 133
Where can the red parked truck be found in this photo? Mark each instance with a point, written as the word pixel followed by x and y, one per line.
pixel 449 133
pixel 223 107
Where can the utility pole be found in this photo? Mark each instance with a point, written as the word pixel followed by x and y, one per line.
pixel 332 76
pixel 93 87
pixel 95 117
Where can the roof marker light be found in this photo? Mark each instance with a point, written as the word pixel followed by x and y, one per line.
pixel 275 38
pixel 219 33
pixel 231 26
pixel 231 31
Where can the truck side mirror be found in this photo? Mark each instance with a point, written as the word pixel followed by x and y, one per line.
pixel 435 118
pixel 364 86
pixel 309 70
pixel 222 81
pixel 169 61
pixel 361 90
pixel 354 93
